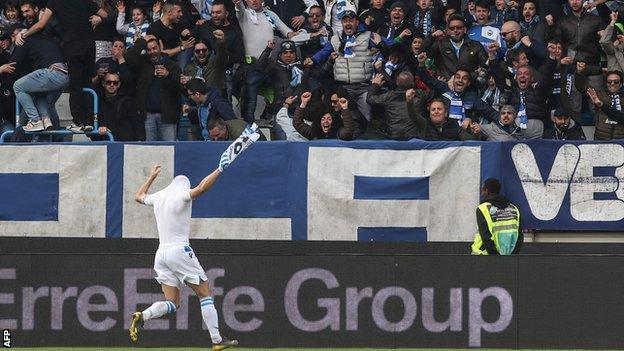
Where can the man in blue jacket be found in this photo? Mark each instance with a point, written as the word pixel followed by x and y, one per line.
pixel 209 104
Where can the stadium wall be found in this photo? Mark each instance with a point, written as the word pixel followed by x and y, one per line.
pixel 348 191
pixel 81 292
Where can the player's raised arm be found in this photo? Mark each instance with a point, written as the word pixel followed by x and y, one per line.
pixel 247 137
pixel 142 192
pixel 205 184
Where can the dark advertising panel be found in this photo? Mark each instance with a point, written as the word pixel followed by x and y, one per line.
pixel 322 301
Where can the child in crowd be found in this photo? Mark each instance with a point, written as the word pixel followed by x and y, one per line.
pixel 134 29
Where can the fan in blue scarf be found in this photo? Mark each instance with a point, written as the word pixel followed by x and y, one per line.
pixel 456 108
pixel 526 26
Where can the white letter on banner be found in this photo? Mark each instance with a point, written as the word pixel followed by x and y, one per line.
pixel 583 207
pixel 82 172
pixel 448 215
pixel 545 199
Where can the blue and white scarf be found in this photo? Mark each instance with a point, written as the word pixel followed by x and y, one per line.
pixel 253 15
pixel 456 108
pixel 349 45
pixel 569 81
pixel 427 22
pixel 492 97
pixel 526 26
pixel 390 67
pixel 522 113
pixel 341 7
pixel 557 83
pixel 206 12
pixel 132 30
pixel 616 104
pixel 296 74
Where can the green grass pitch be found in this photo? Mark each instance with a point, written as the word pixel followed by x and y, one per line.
pixel 207 349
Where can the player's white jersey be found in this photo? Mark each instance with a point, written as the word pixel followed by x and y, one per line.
pixel 172 209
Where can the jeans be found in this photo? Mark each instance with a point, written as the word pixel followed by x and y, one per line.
pixel 253 81
pixel 359 92
pixel 156 130
pixel 36 90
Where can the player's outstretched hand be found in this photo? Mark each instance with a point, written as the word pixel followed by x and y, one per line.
pixel 155 171
pixel 247 137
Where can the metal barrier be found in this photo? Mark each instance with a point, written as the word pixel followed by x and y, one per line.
pixel 62 131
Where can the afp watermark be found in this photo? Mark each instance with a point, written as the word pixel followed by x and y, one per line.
pixel 6 338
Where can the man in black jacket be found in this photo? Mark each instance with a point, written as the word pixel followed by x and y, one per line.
pixel 564 127
pixel 118 113
pixel 158 89
pixel 457 50
pixel 578 31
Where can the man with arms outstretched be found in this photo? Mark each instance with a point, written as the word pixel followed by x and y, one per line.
pixel 175 263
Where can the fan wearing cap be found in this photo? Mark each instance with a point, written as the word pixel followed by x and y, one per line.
pixel 284 73
pixel 564 127
pixel 335 10
pixel 350 52
pixel 612 42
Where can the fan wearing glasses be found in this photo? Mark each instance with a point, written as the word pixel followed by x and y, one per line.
pixel 609 104
pixel 456 49
pixel 314 34
pixel 117 112
pixel 207 64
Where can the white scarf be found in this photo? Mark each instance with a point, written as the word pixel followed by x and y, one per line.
pixel 253 15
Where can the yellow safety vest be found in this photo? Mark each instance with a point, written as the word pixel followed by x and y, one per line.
pixel 503 224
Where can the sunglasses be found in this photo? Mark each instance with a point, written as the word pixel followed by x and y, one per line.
pixel 200 51
pixel 505 33
pixel 111 82
pixel 613 82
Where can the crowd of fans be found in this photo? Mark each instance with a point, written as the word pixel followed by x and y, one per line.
pixel 385 69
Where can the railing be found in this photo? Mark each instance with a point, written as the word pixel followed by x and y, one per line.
pixel 62 131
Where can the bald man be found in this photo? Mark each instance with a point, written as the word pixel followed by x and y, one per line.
pixel 536 51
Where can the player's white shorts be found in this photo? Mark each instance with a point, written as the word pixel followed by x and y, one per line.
pixel 176 264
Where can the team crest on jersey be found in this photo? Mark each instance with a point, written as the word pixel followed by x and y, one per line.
pixel 189 251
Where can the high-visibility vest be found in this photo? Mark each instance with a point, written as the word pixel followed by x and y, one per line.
pixel 503 224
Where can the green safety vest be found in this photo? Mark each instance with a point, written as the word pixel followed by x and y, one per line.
pixel 503 224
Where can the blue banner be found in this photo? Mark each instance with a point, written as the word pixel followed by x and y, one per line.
pixel 367 191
